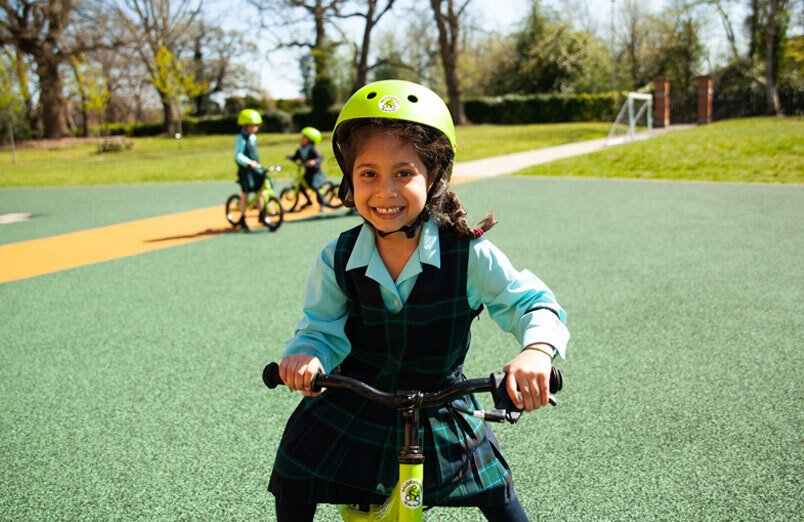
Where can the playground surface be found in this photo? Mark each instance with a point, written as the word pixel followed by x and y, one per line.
pixel 29 258
pixel 131 387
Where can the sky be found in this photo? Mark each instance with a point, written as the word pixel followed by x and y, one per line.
pixel 279 74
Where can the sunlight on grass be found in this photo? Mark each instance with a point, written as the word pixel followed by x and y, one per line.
pixel 767 150
pixel 210 158
pixel 754 149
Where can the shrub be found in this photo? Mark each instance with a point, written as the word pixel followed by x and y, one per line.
pixel 543 108
pixel 322 121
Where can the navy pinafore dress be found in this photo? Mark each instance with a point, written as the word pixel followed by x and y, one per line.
pixel 339 448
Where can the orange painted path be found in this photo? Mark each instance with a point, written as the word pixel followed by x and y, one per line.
pixel 52 254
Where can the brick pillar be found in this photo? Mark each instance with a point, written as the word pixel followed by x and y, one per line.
pixel 661 102
pixel 705 94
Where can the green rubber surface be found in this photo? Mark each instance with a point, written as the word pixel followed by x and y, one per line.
pixel 131 389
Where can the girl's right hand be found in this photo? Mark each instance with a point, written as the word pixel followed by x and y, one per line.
pixel 298 370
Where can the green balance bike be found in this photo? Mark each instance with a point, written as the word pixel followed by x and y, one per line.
pixel 406 503
pixel 271 215
pixel 326 194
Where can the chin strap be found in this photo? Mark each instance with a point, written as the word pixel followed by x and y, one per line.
pixel 409 230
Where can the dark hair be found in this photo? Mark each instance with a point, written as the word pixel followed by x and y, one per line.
pixel 435 151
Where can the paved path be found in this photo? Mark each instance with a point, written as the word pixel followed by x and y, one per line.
pixel 509 163
pixel 46 255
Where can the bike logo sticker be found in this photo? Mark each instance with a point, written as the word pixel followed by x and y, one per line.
pixel 390 104
pixel 411 492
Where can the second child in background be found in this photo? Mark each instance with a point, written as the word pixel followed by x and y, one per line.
pixel 307 155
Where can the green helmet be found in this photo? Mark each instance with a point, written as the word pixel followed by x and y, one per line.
pixel 249 117
pixel 312 134
pixel 399 100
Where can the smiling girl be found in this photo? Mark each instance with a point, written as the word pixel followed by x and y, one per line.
pixel 391 302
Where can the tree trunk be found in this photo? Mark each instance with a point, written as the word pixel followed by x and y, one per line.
pixel 771 89
pixel 169 122
pixel 448 30
pixel 53 114
pixel 361 65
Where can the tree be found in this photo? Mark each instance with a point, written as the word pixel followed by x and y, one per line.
pixel 214 62
pixel 677 52
pixel 175 84
pixel 50 32
pixel 36 29
pixel 321 48
pixel 766 24
pixel 776 20
pixel 11 103
pixel 153 25
pixel 547 55
pixel 447 18
pixel 411 53
pixel 372 16
pixel 92 89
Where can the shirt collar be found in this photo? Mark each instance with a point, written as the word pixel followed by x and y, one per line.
pixel 429 249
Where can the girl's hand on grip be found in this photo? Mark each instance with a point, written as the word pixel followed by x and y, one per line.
pixel 529 376
pixel 298 370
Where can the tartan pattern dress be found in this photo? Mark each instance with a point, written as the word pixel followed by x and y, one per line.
pixel 340 448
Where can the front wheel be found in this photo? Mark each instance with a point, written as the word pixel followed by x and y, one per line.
pixel 288 198
pixel 331 198
pixel 233 213
pixel 273 214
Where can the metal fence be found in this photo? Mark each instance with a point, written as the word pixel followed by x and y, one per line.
pixel 684 108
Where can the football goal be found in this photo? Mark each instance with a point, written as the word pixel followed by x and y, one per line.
pixel 638 109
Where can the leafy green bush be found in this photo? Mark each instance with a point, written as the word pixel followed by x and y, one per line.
pixel 22 129
pixel 272 121
pixel 543 108
pixel 322 121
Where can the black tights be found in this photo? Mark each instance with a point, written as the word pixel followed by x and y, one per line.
pixel 511 512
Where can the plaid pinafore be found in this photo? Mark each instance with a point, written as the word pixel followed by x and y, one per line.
pixel 339 448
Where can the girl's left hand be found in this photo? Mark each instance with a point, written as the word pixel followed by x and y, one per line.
pixel 529 375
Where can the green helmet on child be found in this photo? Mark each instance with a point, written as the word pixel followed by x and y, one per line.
pixel 312 134
pixel 398 100
pixel 249 117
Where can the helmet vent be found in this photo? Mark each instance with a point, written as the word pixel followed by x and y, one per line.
pixel 412 98
pixel 371 95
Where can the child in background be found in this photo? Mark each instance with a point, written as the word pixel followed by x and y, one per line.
pixel 308 156
pixel 391 302
pixel 250 174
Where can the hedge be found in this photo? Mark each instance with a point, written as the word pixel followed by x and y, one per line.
pixel 323 122
pixel 544 108
pixel 274 121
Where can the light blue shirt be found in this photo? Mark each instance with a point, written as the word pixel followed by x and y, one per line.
pixel 240 145
pixel 491 280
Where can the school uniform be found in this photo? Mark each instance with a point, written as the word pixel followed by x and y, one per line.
pixel 312 174
pixel 245 152
pixel 412 333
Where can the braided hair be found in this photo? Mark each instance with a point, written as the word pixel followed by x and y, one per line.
pixel 435 151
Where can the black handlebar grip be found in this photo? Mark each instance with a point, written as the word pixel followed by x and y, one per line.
pixel 503 402
pixel 556 380
pixel 270 375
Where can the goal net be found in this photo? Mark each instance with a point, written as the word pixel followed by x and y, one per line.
pixel 636 114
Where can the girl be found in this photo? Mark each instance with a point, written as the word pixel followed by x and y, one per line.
pixel 390 302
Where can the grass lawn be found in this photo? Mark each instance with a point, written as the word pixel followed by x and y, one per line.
pixel 209 158
pixel 768 150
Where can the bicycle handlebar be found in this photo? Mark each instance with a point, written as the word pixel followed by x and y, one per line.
pixel 494 383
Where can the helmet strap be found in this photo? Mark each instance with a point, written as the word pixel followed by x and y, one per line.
pixel 409 230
